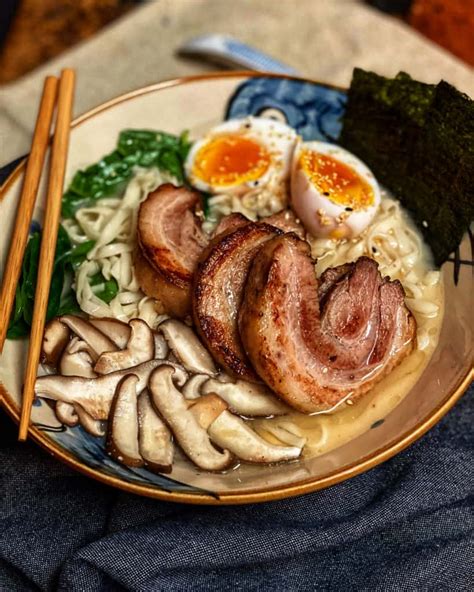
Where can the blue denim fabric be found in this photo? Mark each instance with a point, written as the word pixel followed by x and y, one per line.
pixel 405 525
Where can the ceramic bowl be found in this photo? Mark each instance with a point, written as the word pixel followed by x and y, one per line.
pixel 197 103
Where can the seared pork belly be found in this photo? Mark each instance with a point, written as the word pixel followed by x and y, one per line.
pixel 331 276
pixel 217 293
pixel 170 241
pixel 286 221
pixel 230 223
pixel 315 355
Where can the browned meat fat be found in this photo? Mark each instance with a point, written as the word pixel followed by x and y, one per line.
pixel 315 355
pixel 217 293
pixel 230 223
pixel 170 241
pixel 286 221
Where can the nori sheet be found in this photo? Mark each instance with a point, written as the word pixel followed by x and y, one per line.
pixel 418 139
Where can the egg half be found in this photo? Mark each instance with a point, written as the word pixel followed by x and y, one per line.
pixel 240 155
pixel 332 192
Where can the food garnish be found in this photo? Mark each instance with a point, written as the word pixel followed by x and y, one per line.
pixel 143 148
pixel 332 191
pixel 62 299
pixel 419 141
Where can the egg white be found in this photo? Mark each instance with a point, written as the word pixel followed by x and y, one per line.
pixel 321 216
pixel 276 137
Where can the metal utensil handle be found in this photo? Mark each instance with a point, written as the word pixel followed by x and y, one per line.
pixel 224 49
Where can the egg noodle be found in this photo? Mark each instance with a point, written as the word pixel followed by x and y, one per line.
pixel 258 202
pixel 112 222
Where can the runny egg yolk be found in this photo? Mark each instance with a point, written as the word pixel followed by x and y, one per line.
pixel 230 159
pixel 336 180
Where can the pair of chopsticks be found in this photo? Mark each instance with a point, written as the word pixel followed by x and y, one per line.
pixel 58 93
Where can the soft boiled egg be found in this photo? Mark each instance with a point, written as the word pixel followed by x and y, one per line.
pixel 240 155
pixel 333 192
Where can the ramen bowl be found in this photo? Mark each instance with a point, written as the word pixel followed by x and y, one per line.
pixel 198 103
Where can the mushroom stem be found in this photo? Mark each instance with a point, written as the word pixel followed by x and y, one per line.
pixel 77 359
pixel 245 398
pixel 122 433
pixel 161 347
pixel 207 409
pixel 154 438
pixel 66 414
pixel 140 348
pixel 192 438
pixel 94 427
pixel 186 346
pixel 231 432
pixel 117 331
pixel 99 342
pixel 191 389
pixel 94 394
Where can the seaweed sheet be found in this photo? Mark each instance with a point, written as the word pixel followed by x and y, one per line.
pixel 418 139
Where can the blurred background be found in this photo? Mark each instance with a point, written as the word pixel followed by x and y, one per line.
pixel 120 45
pixel 34 31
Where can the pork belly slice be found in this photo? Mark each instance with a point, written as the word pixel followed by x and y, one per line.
pixel 286 221
pixel 230 223
pixel 217 293
pixel 314 356
pixel 170 240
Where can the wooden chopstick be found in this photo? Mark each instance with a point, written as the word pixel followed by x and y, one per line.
pixel 34 168
pixel 48 241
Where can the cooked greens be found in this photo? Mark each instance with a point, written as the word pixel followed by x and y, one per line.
pixel 145 148
pixel 418 139
pixel 61 298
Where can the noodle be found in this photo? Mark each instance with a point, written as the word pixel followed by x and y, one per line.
pixel 261 201
pixel 111 222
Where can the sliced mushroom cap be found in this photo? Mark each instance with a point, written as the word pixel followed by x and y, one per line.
pixel 233 433
pixel 94 427
pixel 95 394
pixel 99 342
pixel 55 339
pixel 117 331
pixel 154 438
pixel 66 413
pixel 186 346
pixel 140 348
pixel 77 359
pixel 192 438
pixel 192 389
pixel 207 409
pixel 122 431
pixel 245 398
